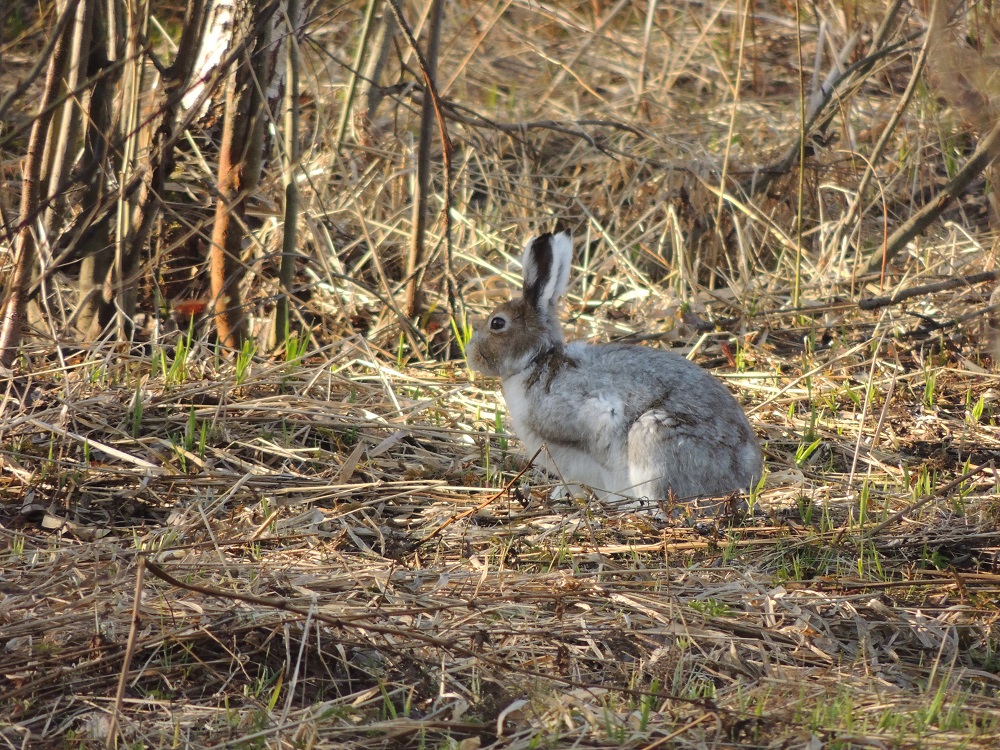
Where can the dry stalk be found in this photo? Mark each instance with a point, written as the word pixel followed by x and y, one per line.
pixel 293 149
pixel 415 260
pixel 359 58
pixel 61 143
pixel 140 575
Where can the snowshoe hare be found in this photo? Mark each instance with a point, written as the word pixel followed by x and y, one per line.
pixel 625 420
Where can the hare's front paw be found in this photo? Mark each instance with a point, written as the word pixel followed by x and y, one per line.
pixel 569 492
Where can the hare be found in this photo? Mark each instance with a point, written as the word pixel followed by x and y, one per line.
pixel 622 419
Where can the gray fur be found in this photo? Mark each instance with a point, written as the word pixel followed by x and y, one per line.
pixel 623 419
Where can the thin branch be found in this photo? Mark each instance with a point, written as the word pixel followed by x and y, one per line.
pixel 445 149
pixel 854 211
pixel 984 155
pixel 240 159
pixel 286 270
pixel 873 303
pixel 762 178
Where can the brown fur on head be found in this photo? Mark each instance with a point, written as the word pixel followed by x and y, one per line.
pixel 509 339
pixel 518 331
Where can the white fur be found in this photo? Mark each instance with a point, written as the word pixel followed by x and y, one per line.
pixel 564 461
pixel 553 287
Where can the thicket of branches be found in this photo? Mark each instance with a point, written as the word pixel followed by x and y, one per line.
pixel 158 141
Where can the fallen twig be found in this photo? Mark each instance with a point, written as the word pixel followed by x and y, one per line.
pixel 873 303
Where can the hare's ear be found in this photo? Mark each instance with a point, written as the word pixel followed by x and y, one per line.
pixel 546 265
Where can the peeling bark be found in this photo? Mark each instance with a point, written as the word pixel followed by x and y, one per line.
pixel 240 162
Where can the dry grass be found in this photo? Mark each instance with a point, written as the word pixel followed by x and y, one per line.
pixel 340 548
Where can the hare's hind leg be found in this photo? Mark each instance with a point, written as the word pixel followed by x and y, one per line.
pixel 667 455
pixel 649 456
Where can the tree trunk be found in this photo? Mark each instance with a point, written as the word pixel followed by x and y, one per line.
pixel 240 163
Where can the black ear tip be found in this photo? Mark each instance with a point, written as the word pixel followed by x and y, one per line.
pixel 542 242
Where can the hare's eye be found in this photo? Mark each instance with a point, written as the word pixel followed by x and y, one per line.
pixel 498 323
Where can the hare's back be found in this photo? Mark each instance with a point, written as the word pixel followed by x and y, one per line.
pixel 649 377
